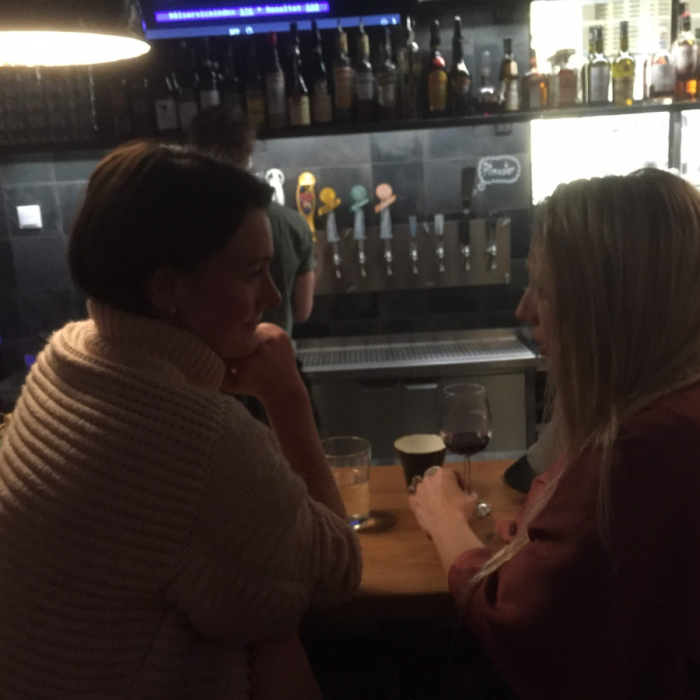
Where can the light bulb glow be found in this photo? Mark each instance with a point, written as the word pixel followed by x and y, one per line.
pixel 66 48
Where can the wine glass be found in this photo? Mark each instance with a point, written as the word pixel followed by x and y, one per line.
pixel 466 429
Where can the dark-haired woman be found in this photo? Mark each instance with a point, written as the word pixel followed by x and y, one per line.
pixel 151 531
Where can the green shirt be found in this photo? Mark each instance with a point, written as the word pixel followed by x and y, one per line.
pixel 294 256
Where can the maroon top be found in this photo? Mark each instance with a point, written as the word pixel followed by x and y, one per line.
pixel 562 619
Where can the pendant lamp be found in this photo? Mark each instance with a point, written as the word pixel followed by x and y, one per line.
pixel 70 32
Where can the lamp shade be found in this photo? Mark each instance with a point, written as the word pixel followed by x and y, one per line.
pixel 69 32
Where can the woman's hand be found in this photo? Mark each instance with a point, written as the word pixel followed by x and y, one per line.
pixel 270 372
pixel 439 497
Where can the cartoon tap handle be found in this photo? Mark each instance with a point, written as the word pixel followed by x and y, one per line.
pixel 275 178
pixel 330 204
pixel 359 233
pixel 306 200
pixel 386 198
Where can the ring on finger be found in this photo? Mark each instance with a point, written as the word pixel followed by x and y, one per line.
pixel 414 484
pixel 432 470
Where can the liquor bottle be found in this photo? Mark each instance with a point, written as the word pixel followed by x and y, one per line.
pixel 460 77
pixel 299 107
pixel 510 83
pixel 321 102
pixel 143 118
pixel 209 79
pixel 275 88
pixel 487 99
pixel 409 68
pixel 187 99
pixel 586 68
pixel 255 89
pixel 164 98
pixel 599 73
pixel 437 75
pixel 563 81
pixel 623 70
pixel 344 78
pixel 662 85
pixel 364 78
pixel 685 56
pixel 388 81
pixel 231 95
pixel 535 86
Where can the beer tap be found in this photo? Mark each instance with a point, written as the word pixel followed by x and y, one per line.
pixel 386 198
pixel 468 178
pixel 275 178
pixel 491 246
pixel 361 200
pixel 413 225
pixel 330 204
pixel 439 223
pixel 306 200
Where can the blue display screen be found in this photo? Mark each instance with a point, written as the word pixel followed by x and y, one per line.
pixel 245 13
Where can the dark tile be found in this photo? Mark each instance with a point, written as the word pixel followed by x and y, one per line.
pixel 454 142
pixel 498 319
pixel 352 149
pixel 4 226
pixel 8 281
pixel 471 141
pixel 26 170
pixel 354 306
pixel 72 167
pixel 288 153
pixel 407 183
pixel 397 147
pixel 410 302
pixel 45 197
pixel 456 300
pixel 44 312
pixel 454 322
pixel 40 263
pixel 521 234
pixel 342 180
pixel 502 297
pixel 10 319
pixel 70 196
pixel 503 182
pixel 519 276
pixel 443 185
pixel 292 180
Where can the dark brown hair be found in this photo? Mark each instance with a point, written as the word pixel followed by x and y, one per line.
pixel 150 207
pixel 221 132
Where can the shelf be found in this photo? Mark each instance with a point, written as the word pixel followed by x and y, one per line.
pixel 579 112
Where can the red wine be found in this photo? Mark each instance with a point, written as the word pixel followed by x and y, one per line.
pixel 467 443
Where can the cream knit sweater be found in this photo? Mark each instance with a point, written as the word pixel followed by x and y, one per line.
pixel 150 530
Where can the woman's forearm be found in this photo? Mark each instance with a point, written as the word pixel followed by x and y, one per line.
pixel 292 420
pixel 452 537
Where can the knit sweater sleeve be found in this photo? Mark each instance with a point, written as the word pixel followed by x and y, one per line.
pixel 261 551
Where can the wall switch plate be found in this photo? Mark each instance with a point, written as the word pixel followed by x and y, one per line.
pixel 30 217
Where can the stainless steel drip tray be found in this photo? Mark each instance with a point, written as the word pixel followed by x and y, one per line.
pixel 418 351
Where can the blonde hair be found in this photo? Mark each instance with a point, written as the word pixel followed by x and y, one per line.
pixel 617 260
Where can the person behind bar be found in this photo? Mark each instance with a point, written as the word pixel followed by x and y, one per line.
pixel 155 539
pixel 597 594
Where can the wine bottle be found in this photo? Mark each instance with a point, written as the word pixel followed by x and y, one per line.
pixel 599 73
pixel 510 83
pixel 365 91
pixel 231 95
pixel 487 99
pixel 275 88
pixel 623 70
pixel 209 79
pixel 299 107
pixel 460 77
pixel 344 78
pixel 662 84
pixel 586 69
pixel 255 89
pixel 409 68
pixel 685 56
pixel 437 75
pixel 321 102
pixel 187 100
pixel 388 81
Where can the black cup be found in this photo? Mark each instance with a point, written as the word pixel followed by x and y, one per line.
pixel 418 453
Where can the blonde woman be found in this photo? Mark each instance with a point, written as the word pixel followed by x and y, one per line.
pixel 597 595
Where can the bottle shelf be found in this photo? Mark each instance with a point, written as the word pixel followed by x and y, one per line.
pixel 579 112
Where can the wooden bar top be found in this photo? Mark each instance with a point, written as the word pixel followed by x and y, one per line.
pixel 398 558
